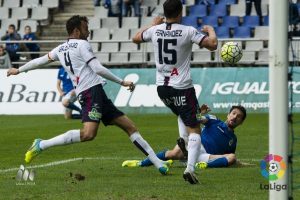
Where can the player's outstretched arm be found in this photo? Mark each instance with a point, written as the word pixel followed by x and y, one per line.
pixel 204 109
pixel 31 65
pixel 128 84
pixel 105 73
pixel 138 36
pixel 210 42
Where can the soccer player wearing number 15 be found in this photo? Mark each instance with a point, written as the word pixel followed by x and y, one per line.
pixel 86 72
pixel 172 46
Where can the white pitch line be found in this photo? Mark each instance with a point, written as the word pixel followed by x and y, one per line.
pixel 60 162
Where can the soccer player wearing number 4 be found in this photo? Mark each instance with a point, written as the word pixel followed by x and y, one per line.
pixel 172 46
pixel 77 57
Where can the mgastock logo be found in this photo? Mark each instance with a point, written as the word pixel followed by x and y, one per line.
pixel 25 177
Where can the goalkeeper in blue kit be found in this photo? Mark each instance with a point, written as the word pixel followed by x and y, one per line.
pixel 217 138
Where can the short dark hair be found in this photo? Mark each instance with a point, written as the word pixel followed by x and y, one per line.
pixel 75 22
pixel 241 108
pixel 12 26
pixel 172 8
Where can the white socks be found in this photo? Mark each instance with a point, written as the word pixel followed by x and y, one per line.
pixel 194 145
pixel 142 144
pixel 183 133
pixel 68 137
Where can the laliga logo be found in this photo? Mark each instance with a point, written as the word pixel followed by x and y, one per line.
pixel 273 168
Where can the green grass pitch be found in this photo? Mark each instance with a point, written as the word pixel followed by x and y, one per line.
pixel 104 176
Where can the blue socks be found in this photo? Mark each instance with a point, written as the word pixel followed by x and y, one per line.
pixel 219 162
pixel 147 162
pixel 76 116
pixel 72 106
pixel 215 163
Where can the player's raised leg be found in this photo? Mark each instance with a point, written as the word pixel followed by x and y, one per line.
pixel 88 133
pixel 128 126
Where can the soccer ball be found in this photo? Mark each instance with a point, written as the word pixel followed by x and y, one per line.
pixel 231 52
pixel 273 167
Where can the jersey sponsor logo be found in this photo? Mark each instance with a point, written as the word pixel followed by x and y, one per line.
pixel 167 33
pixel 94 114
pixel 174 72
pixel 166 72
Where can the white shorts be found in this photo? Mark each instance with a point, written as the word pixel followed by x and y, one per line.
pixel 204 156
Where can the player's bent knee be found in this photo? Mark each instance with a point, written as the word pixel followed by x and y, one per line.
pixel 131 128
pixel 65 103
pixel 87 136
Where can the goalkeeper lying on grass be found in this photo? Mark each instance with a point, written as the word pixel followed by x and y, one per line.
pixel 217 138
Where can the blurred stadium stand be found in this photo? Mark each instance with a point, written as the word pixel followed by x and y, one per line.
pixel 111 37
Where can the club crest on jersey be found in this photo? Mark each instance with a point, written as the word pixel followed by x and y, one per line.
pixel 94 114
pixel 230 142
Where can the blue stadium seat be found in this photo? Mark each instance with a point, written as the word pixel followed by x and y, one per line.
pixel 222 32
pixel 206 2
pixel 219 10
pixel 227 2
pixel 242 32
pixel 251 21
pixel 210 20
pixel 190 21
pixel 231 21
pixel 266 20
pixel 198 10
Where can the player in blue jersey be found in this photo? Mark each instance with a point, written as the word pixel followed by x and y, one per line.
pixel 66 90
pixel 217 138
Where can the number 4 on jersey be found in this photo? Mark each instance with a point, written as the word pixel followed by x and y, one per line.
pixel 68 61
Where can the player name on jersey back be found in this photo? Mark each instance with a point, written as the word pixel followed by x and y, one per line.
pixel 168 33
pixel 68 46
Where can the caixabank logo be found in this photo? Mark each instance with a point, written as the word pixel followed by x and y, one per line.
pixel 273 168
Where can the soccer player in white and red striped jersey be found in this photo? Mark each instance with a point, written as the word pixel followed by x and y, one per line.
pixel 86 72
pixel 172 43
